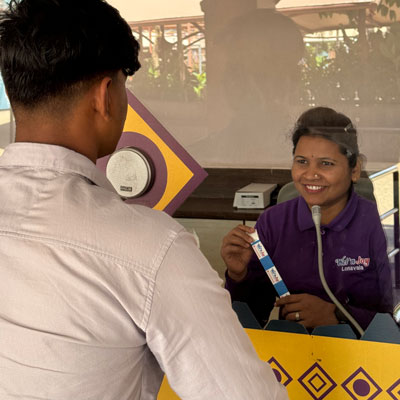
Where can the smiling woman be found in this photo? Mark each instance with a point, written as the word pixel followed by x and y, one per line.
pixel 326 163
pixel 326 160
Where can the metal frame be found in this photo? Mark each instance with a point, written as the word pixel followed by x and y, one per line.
pixel 395 252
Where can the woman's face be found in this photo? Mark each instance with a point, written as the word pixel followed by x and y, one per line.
pixel 322 175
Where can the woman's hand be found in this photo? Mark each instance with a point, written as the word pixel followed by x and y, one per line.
pixel 309 310
pixel 236 251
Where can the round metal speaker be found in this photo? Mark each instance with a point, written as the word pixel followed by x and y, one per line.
pixel 130 171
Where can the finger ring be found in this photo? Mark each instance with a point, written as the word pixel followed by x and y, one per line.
pixel 297 316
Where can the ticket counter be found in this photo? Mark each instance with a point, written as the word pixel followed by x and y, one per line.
pixel 316 367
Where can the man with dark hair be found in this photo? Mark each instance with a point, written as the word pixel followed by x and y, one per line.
pixel 98 298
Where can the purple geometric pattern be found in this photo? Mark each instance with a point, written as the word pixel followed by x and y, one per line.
pixel 394 390
pixel 317 382
pixel 144 144
pixel 281 374
pixel 359 385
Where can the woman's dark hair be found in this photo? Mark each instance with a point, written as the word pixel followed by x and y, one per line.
pixel 49 46
pixel 329 124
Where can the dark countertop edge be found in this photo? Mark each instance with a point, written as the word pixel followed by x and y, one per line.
pixel 210 208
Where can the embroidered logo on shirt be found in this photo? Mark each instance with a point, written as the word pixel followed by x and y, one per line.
pixel 352 264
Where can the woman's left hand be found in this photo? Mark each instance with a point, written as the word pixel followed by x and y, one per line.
pixel 309 310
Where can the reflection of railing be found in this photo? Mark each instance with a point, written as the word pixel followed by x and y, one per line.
pixel 395 252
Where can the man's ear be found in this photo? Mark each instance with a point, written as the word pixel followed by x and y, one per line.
pixel 356 171
pixel 102 97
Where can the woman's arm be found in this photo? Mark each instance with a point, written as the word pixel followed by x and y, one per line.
pixel 255 289
pixel 245 277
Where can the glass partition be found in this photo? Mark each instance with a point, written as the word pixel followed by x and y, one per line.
pixel 228 79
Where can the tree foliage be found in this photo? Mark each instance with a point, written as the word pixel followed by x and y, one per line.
pixel 353 72
pixel 386 8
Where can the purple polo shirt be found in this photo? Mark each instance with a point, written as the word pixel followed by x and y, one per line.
pixel 354 255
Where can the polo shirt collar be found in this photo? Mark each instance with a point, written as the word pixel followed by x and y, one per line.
pixel 339 223
pixel 58 158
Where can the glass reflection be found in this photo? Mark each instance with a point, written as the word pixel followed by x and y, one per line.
pixel 230 80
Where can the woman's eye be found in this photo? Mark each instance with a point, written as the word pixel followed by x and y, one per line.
pixel 300 161
pixel 327 163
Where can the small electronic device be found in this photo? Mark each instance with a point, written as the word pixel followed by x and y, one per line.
pixel 255 195
pixel 130 171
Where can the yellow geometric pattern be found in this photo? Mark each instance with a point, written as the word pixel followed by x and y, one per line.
pixel 178 174
pixel 341 364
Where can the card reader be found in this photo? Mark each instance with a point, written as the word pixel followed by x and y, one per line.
pixel 255 195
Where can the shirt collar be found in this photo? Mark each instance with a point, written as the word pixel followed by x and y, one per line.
pixel 339 223
pixel 47 156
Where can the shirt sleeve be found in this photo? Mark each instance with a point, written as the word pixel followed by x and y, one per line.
pixel 255 289
pixel 383 302
pixel 196 336
pixel 363 315
pixel 383 272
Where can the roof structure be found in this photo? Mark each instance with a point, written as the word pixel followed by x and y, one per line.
pixel 139 10
pixel 309 15
pixel 319 15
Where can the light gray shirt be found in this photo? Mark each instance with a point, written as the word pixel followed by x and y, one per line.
pixel 99 297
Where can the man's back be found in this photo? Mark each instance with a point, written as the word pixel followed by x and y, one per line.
pixel 97 294
pixel 77 272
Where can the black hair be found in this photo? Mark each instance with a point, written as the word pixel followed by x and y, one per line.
pixel 48 48
pixel 329 124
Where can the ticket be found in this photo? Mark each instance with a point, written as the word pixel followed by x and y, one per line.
pixel 268 266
